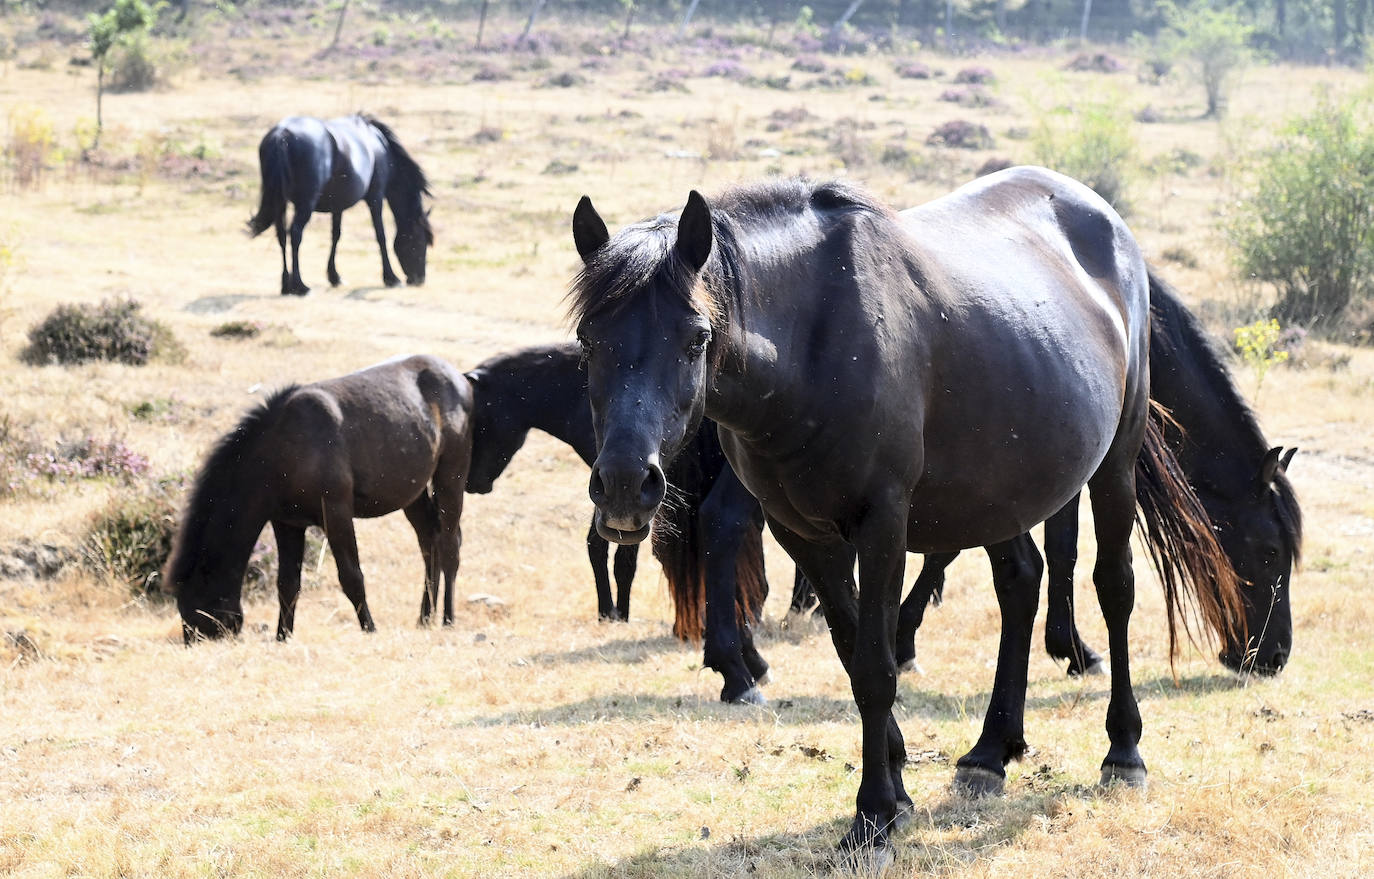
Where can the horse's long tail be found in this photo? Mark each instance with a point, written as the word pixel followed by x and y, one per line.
pixel 1195 570
pixel 274 161
pixel 679 543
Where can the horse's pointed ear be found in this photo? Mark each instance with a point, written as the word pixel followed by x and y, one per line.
pixel 1269 467
pixel 694 233
pixel 1287 456
pixel 474 376
pixel 589 230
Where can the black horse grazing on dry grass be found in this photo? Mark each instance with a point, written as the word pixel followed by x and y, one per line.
pixel 1241 481
pixel 396 436
pixel 934 380
pixel 326 166
pixel 709 536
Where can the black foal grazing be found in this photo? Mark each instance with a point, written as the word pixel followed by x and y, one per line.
pixel 933 380
pixel 710 543
pixel 396 436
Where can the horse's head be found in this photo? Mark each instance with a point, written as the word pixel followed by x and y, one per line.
pixel 413 239
pixel 1261 540
pixel 644 326
pixel 209 602
pixel 497 434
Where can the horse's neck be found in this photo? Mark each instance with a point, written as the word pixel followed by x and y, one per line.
pixel 1219 446
pixel 553 398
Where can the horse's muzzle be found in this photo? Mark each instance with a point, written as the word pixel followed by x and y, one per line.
pixel 627 494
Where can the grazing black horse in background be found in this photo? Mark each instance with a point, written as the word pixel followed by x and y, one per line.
pixel 934 380
pixel 1239 478
pixel 708 538
pixel 326 166
pixel 395 436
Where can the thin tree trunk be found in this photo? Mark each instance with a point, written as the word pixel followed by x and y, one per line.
pixel 529 25
pixel 949 25
pixel 629 18
pixel 687 19
pixel 1339 26
pixel 99 100
pixel 482 22
pixel 772 21
pixel 1281 17
pixel 844 19
pixel 338 26
pixel 1083 26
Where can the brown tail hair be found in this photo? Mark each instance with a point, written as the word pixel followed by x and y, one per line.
pixel 1197 574
pixel 678 544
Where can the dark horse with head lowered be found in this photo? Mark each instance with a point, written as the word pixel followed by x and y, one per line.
pixel 395 436
pixel 934 380
pixel 326 166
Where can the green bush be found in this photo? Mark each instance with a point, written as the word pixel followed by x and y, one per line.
pixel 1307 227
pixel 113 330
pixel 129 540
pixel 1091 141
pixel 1212 42
pixel 134 67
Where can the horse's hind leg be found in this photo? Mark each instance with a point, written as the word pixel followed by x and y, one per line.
pixel 335 229
pixel 343 542
pixel 281 242
pixel 1112 495
pixel 374 206
pixel 299 218
pixel 928 588
pixel 626 563
pixel 1062 640
pixel 425 520
pixel 1016 570
pixel 290 555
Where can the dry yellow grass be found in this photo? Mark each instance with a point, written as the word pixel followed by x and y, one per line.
pixel 535 741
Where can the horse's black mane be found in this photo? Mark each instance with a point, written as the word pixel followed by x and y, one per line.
pixel 643 254
pixel 220 480
pixel 409 175
pixel 1178 329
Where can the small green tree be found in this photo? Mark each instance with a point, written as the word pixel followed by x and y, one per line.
pixel 1212 41
pixel 123 20
pixel 1308 226
pixel 1090 140
pixel 1257 346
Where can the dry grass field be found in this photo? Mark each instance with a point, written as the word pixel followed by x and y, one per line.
pixel 529 739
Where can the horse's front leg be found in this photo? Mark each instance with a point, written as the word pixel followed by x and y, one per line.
pixel 1016 570
pixel 374 207
pixel 450 478
pixel 598 555
pixel 928 588
pixel 626 563
pixel 335 229
pixel 725 514
pixel 290 555
pixel 882 801
pixel 343 542
pixel 1062 640
pixel 425 521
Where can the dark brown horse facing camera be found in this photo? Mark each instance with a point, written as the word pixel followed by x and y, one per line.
pixel 708 539
pixel 930 381
pixel 396 436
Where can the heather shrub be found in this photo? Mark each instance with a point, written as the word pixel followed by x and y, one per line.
pixel 129 540
pixel 115 330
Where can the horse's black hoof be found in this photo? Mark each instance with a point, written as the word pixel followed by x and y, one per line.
pixel 866 850
pixel 1130 776
pixel 1092 664
pixel 751 696
pixel 976 781
pixel 911 664
pixel 392 281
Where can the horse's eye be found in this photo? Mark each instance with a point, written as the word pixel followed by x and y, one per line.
pixel 699 343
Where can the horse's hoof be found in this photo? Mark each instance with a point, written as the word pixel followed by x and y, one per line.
pixel 393 281
pixel 906 811
pixel 975 782
pixel 766 679
pixel 1130 776
pixel 910 665
pixel 873 860
pixel 751 696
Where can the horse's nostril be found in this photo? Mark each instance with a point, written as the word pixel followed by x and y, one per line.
pixel 654 487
